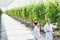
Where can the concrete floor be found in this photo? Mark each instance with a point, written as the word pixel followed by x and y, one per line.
pixel 14 30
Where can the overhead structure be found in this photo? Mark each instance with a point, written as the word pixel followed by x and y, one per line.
pixel 4 4
pixel 8 4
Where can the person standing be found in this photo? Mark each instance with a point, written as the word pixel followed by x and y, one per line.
pixel 48 28
pixel 36 31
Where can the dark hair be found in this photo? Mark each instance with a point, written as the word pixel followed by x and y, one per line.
pixel 36 23
pixel 47 20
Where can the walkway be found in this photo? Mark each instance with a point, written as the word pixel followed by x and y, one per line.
pixel 14 30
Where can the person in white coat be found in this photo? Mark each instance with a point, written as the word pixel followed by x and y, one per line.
pixel 48 28
pixel 36 31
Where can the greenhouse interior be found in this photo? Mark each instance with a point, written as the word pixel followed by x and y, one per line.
pixel 29 19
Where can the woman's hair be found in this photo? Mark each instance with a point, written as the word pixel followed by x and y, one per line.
pixel 36 22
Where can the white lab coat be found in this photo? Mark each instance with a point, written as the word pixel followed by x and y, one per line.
pixel 36 32
pixel 49 27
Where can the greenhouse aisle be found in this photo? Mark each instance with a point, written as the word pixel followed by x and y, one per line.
pixel 14 30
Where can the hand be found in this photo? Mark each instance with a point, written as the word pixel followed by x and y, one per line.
pixel 56 23
pixel 48 30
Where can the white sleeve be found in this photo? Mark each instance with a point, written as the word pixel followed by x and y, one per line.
pixel 54 26
pixel 35 33
pixel 45 29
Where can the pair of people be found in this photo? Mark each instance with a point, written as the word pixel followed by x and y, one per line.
pixel 48 29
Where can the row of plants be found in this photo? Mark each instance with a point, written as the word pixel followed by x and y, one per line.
pixel 38 11
pixel 0 12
